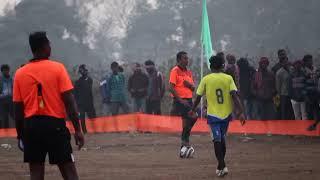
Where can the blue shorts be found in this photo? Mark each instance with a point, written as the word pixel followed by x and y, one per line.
pixel 219 128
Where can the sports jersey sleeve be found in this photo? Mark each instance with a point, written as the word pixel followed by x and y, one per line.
pixel 233 86
pixel 64 81
pixel 173 77
pixel 16 90
pixel 201 87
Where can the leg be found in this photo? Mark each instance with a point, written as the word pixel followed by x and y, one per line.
pixel 92 113
pixel 125 107
pixel 218 145
pixel 36 171
pixel 136 104
pixel 114 108
pixel 157 107
pixel 148 106
pixel 296 109
pixel 68 171
pixel 303 111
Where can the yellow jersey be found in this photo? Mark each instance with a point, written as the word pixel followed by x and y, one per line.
pixel 217 88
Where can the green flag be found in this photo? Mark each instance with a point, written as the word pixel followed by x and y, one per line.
pixel 206 44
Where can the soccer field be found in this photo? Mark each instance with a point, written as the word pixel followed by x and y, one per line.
pixel 120 156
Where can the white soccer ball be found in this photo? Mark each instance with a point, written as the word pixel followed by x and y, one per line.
pixel 187 152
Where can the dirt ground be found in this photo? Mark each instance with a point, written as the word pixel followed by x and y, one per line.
pixel 120 156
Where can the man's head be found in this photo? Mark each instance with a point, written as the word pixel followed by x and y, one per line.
pixel 243 63
pixel 308 61
pixel 83 70
pixel 263 63
pixel 221 54
pixel 137 68
pixel 150 66
pixel 182 59
pixel 231 59
pixel 216 63
pixel 5 70
pixel 282 56
pixel 40 45
pixel 115 67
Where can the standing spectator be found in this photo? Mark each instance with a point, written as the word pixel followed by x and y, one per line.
pixel 311 92
pixel 84 97
pixel 282 56
pixel 181 88
pixel 263 89
pixel 6 104
pixel 138 86
pixel 246 73
pixel 297 87
pixel 156 89
pixel 232 69
pixel 103 90
pixel 283 90
pixel 317 121
pixel 116 95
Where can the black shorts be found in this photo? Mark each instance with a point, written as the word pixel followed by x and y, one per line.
pixel 181 109
pixel 44 134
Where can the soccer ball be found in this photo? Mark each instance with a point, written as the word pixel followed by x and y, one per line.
pixel 187 152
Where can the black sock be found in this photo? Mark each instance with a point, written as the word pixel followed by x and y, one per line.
pixel 218 149
pixel 224 148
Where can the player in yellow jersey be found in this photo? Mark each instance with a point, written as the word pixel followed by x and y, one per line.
pixel 221 93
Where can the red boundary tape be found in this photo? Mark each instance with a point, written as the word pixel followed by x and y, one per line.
pixel 170 124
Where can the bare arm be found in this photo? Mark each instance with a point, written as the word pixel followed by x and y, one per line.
pixel 18 110
pixel 196 102
pixel 71 108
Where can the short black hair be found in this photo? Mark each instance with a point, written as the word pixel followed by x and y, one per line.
pixel 281 50
pixel 180 54
pixel 216 62
pixel 221 54
pixel 114 64
pixel 149 63
pixel 38 40
pixel 82 66
pixel 5 67
pixel 307 57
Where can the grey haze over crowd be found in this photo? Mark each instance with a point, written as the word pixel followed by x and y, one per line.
pixel 100 31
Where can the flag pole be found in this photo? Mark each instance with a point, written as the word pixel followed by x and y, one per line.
pixel 201 72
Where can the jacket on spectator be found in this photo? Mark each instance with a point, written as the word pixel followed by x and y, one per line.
pixel 311 88
pixel 233 71
pixel 246 73
pixel 156 87
pixel 6 87
pixel 297 86
pixel 138 85
pixel 115 88
pixel 83 93
pixel 283 82
pixel 263 85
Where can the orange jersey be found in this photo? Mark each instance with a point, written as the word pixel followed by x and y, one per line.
pixel 39 85
pixel 177 77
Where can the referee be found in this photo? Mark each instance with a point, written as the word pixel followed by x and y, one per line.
pixel 42 94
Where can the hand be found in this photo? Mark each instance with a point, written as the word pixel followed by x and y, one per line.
pixel 242 117
pixel 79 138
pixel 193 114
pixel 20 145
pixel 188 84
